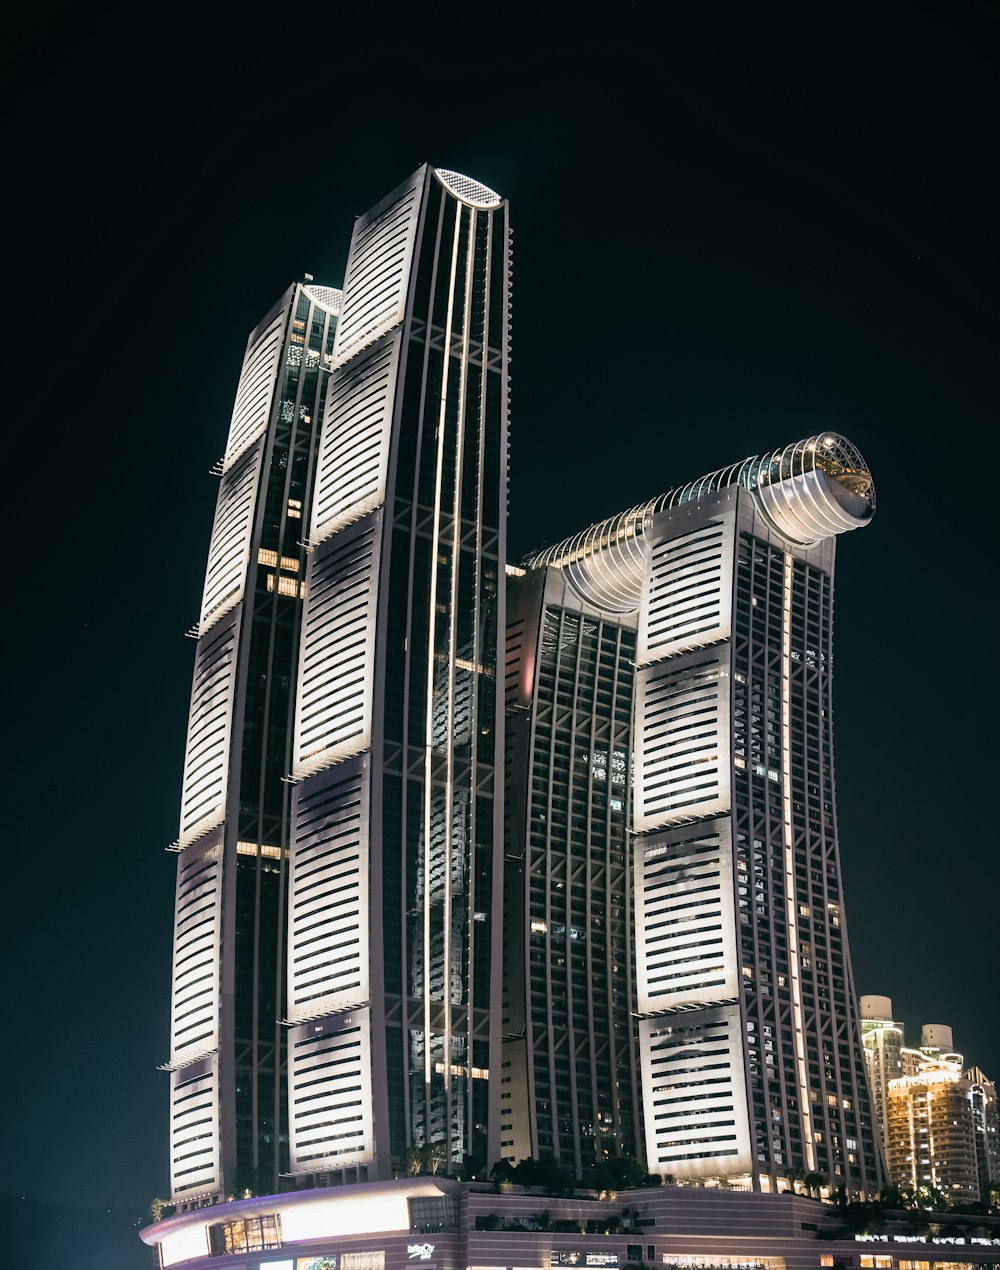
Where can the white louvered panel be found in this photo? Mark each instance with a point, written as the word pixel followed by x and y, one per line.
pixel 206 762
pixel 336 664
pixel 330 1093
pixel 229 551
pixel 194 1129
pixel 685 924
pixel 256 388
pixel 354 447
pixel 194 1012
pixel 378 270
pixel 687 592
pixel 682 741
pixel 693 1093
pixel 328 908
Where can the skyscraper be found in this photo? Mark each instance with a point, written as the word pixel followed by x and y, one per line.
pixel 335 941
pixel 986 1123
pixel 228 1124
pixel 570 1072
pixel 396 852
pixel 941 1128
pixel 882 1038
pixel 930 1127
pixel 748 1036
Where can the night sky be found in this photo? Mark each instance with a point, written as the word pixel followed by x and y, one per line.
pixel 735 225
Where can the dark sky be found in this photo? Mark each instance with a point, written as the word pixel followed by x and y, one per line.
pixel 735 225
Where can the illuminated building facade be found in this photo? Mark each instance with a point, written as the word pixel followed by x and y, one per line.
pixel 930 1132
pixel 228 1122
pixel 941 1128
pixel 570 1063
pixel 436 1223
pixel 750 1053
pixel 882 1038
pixel 986 1123
pixel 396 850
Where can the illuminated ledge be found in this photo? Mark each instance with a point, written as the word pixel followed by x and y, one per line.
pixel 364 1208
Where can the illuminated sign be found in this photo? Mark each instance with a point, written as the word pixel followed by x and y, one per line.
pixel 959 1240
pixel 713 1263
pixel 316 1263
pixel 420 1252
pixel 576 1258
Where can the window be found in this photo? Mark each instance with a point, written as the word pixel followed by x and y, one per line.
pixel 247 1234
pixel 362 1260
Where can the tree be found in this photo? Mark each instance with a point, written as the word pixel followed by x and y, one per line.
pixel 502 1172
pixel 627 1173
pixel 158 1207
pixel 429 1157
pixel 814 1183
pixel 545 1171
pixel 472 1166
pixel 893 1196
pixel 600 1178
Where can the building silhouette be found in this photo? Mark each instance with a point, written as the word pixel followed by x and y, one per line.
pixel 941 1126
pixel 396 846
pixel 570 1061
pixel 748 1039
pixel 340 836
pixel 228 1121
pixel 882 1038
pixel 930 1130
pixel 986 1124
pixel 429 915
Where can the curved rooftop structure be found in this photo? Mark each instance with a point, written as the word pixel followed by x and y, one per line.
pixel 470 191
pixel 809 490
pixel 329 298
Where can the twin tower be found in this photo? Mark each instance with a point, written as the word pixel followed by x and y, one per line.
pixel 480 862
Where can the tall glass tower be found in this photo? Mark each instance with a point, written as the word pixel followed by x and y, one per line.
pixel 228 1125
pixel 749 1045
pixel 396 847
pixel 570 1058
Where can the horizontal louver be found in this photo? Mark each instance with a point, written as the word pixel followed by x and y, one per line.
pixel 377 270
pixel 328 910
pixel 682 740
pixel 206 763
pixel 194 1130
pixel 197 932
pixel 229 551
pixel 329 1093
pixel 333 709
pixel 684 918
pixel 354 448
pixel 687 594
pixel 693 1093
pixel 253 396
